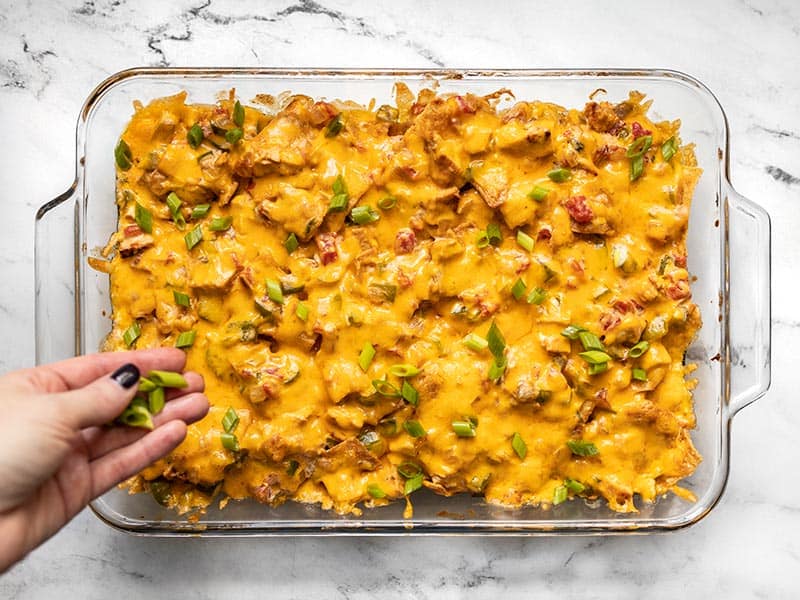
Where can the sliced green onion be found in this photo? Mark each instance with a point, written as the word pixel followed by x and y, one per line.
pixel 483 240
pixel 497 344
pixel 156 398
pixel 364 215
pixel 291 285
pixel 339 186
pixel 174 203
pixel 559 175
pixel 220 223
pixel 386 290
pixel 539 193
pixel 537 296
pixel 132 334
pixel 387 203
pixel 408 469
pixel 144 218
pixel 274 291
pixel 238 114
pixel 123 156
pixel 497 369
pixel 384 388
pixel 404 370
pixel 195 135
pixel 414 429
pixel 194 237
pixel 146 385
pixel 639 374
pixel 518 289
pixel 640 146
pixel 334 126
pixel 181 299
pixel 590 341
pixel 559 495
pixel 595 357
pixel 668 149
pixel 576 487
pixel 637 167
pixel 200 211
pixel 291 244
pixel 494 234
pixel 338 203
pixel 572 331
pixel 230 420
pixel 524 240
pixel 519 446
pixel 413 484
pixel 639 349
pixel 234 135
pixel 662 265
pixel 366 356
pixel 582 448
pixel 185 339
pixel 375 491
pixel 598 368
pixel 409 393
pixel 301 311
pixel 229 441
pixel 464 428
pixel 167 379
pixel 475 342
pixel 387 427
pixel 136 415
pixel 291 468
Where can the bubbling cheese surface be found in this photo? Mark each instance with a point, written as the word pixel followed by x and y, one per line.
pixel 344 265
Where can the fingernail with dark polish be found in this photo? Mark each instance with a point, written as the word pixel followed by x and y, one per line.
pixel 127 375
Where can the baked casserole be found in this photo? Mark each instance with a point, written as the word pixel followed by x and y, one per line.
pixel 463 293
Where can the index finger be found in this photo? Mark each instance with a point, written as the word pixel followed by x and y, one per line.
pixel 80 371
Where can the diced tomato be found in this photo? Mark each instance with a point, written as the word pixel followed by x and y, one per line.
pixel 680 261
pixel 544 234
pixel 405 241
pixel 133 230
pixel 326 242
pixel 578 210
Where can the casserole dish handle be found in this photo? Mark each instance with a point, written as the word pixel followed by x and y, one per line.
pixel 55 276
pixel 748 249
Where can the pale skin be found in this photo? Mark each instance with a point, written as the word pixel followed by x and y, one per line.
pixel 57 452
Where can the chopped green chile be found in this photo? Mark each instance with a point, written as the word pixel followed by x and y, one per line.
pixel 538 193
pixel 413 484
pixel 144 218
pixel 639 349
pixel 414 429
pixel 366 356
pixel 375 491
pixel 200 211
pixel 123 156
pixel 387 291
pixel 195 135
pixel 220 223
pixel 230 420
pixel 404 370
pixel 185 339
pixel 156 398
pixel 559 175
pixel 132 334
pixel 238 114
pixel 168 379
pixel 229 441
pixel 519 446
pixel 582 448
pixel 525 241
pixel 409 393
pixel 181 299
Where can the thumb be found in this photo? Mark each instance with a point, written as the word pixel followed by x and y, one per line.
pixel 102 400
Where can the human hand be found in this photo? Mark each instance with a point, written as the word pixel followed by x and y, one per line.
pixel 56 452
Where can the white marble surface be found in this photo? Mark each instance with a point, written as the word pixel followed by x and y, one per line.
pixel 53 53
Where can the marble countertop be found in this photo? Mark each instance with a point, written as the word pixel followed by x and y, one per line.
pixel 52 54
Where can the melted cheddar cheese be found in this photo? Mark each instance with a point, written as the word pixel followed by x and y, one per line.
pixel 532 218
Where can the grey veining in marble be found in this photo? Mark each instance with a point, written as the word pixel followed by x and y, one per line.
pixel 53 53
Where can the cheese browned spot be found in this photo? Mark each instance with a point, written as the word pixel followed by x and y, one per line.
pixel 288 295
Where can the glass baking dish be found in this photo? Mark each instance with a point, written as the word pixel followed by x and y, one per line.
pixel 729 253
